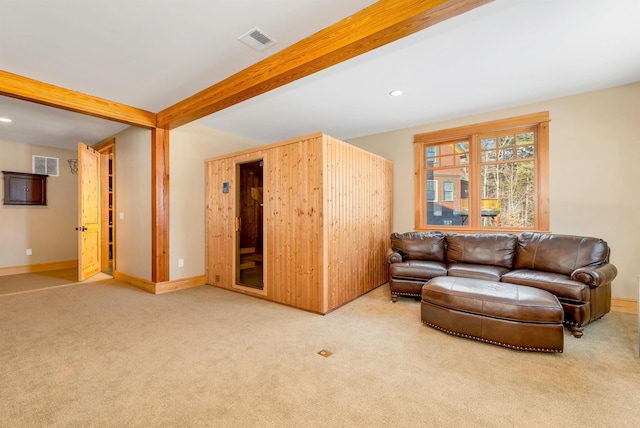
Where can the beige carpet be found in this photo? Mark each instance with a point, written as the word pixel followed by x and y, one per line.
pixel 26 282
pixel 104 354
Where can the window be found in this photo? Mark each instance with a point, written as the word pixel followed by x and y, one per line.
pixel 447 191
pixel 432 190
pixel 493 176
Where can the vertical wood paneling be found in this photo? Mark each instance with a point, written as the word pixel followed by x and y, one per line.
pixel 327 220
pixel 219 219
pixel 358 205
pixel 293 221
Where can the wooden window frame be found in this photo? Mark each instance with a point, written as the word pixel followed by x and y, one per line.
pixel 539 121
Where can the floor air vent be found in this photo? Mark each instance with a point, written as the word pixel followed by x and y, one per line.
pixel 257 39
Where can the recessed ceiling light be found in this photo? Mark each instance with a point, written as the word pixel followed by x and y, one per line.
pixel 395 93
pixel 5 119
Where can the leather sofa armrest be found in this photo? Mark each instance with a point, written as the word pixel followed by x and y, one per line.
pixel 595 276
pixel 393 256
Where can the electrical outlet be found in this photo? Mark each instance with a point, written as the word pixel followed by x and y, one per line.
pixel 121 216
pixel 180 262
pixel 29 252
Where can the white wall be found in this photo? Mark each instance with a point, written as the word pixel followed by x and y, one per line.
pixel 593 177
pixel 189 146
pixel 49 231
pixel 133 201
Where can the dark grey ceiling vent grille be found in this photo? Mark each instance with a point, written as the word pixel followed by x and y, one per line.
pixel 257 39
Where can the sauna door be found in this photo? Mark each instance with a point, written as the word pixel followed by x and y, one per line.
pixel 249 230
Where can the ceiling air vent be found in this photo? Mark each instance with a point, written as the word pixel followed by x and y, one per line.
pixel 257 39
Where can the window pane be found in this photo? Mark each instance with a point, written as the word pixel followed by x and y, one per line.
pixel 431 160
pixel 525 152
pixel 505 154
pixel 462 151
pixel 453 209
pixel 489 156
pixel 524 138
pixel 507 195
pixel 447 154
pixel 505 141
pixel 488 143
pixel 462 147
pixel 451 160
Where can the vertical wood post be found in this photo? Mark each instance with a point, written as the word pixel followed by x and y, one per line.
pixel 159 205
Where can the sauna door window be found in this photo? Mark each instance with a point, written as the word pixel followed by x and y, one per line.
pixel 249 225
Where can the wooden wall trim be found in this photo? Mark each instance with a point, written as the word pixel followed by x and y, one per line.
pixel 179 284
pixel 24 88
pixel 379 24
pixel 104 144
pixel 159 205
pixel 482 127
pixel 143 284
pixel 620 304
pixel 40 267
pixel 159 287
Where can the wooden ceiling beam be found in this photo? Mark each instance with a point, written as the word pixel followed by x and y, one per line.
pixel 24 88
pixel 379 24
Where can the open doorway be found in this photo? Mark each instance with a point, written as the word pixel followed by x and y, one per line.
pixel 249 225
pixel 107 197
pixel 107 205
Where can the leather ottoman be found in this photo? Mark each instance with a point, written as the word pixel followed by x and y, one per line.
pixel 515 316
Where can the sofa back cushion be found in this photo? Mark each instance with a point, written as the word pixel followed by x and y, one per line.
pixel 496 249
pixel 559 253
pixel 419 245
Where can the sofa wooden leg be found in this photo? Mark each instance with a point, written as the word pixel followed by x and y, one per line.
pixel 576 330
pixel 394 297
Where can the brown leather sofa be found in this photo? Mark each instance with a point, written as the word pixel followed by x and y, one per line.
pixel 575 269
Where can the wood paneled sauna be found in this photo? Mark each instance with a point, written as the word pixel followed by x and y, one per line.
pixel 304 222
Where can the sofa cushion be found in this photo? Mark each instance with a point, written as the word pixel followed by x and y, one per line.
pixel 419 245
pixel 467 270
pixel 559 253
pixel 418 269
pixel 496 249
pixel 555 283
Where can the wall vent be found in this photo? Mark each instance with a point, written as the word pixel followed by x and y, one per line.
pixel 257 39
pixel 45 165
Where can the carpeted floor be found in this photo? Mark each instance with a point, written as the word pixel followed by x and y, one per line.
pixel 108 355
pixel 27 282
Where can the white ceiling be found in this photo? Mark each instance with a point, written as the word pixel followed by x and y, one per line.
pixel 151 54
